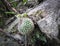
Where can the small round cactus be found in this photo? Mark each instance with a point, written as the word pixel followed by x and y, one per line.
pixel 25 26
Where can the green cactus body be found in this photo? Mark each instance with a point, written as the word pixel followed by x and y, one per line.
pixel 25 26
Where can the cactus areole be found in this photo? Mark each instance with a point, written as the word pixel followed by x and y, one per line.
pixel 25 26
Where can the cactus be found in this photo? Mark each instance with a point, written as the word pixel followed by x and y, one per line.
pixel 25 26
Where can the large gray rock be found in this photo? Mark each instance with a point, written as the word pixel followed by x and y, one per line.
pixel 49 26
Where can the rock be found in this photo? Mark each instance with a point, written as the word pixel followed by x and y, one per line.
pixel 49 26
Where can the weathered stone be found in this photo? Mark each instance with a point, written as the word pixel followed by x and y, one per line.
pixel 49 26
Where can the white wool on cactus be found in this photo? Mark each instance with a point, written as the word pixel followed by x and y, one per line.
pixel 25 26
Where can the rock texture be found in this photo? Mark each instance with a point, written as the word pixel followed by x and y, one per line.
pixel 49 26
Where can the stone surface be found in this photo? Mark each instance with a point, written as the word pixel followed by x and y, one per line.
pixel 49 26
